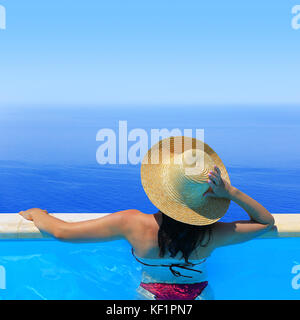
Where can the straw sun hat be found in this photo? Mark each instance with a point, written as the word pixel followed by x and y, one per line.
pixel 174 175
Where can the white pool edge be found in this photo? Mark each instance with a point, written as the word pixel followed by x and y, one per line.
pixel 14 227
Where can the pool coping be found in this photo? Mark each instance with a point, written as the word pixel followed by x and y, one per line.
pixel 14 227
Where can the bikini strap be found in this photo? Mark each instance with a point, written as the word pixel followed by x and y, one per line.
pixel 176 273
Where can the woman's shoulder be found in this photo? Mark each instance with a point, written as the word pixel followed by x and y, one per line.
pixel 131 216
pixel 141 230
pixel 135 218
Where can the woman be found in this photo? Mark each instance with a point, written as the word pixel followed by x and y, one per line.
pixel 173 243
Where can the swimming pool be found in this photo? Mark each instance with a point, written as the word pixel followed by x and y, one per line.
pixel 33 266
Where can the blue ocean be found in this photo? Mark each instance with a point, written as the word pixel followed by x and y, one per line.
pixel 48 155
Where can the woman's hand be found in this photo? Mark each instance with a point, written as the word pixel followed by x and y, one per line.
pixel 28 214
pixel 219 188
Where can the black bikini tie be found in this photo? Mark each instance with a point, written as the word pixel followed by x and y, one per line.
pixel 176 273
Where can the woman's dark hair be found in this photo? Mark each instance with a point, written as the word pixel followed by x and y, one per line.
pixel 175 236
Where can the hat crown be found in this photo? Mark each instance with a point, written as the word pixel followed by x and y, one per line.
pixel 187 178
pixel 195 164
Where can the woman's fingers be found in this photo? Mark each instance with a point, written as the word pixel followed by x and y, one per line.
pixel 24 215
pixel 214 178
pixel 217 170
pixel 211 184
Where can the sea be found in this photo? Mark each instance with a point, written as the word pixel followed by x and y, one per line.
pixel 48 154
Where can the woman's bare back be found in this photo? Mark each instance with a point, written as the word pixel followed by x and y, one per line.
pixel 144 239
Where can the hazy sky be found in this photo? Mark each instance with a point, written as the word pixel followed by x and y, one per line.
pixel 149 52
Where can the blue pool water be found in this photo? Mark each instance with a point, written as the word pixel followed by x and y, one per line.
pixel 259 269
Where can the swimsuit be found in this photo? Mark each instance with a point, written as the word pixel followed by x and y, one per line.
pixel 172 291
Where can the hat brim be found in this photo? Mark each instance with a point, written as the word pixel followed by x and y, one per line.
pixel 152 178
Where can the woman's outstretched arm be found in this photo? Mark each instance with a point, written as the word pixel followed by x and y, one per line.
pixel 111 227
pixel 260 221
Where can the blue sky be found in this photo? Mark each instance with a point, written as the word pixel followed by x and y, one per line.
pixel 133 52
